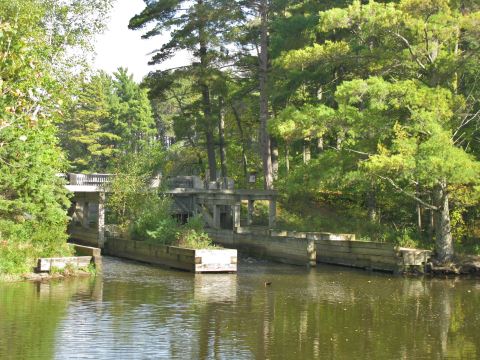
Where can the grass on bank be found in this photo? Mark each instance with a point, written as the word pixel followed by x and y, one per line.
pixel 21 244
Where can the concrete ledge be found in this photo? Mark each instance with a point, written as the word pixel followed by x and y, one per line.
pixel 94 252
pixel 371 255
pixel 195 260
pixel 285 249
pixel 77 262
pixel 84 236
pixel 81 250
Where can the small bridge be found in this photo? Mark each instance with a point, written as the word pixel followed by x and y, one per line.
pixel 218 203
pixel 221 207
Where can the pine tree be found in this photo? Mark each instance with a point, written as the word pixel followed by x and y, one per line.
pixel 202 28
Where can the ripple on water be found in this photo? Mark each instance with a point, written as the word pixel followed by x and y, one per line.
pixel 135 311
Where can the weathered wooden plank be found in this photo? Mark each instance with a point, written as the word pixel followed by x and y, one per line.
pixel 353 257
pixel 357 250
pixel 298 251
pixel 377 265
pixel 356 244
pixel 414 257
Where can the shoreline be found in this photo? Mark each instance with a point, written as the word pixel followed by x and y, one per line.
pixel 43 277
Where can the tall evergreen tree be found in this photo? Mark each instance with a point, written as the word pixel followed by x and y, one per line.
pixel 110 116
pixel 85 134
pixel 202 28
pixel 132 116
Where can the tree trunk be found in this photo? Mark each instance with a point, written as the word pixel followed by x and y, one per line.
pixel 443 234
pixel 306 151
pixel 320 146
pixel 419 211
pixel 287 158
pixel 419 219
pixel 372 204
pixel 221 134
pixel 242 140
pixel 212 162
pixel 263 79
pixel 274 155
pixel 207 106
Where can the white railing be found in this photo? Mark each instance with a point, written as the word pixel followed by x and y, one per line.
pixel 89 179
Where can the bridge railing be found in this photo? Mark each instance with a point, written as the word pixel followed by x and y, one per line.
pixel 89 179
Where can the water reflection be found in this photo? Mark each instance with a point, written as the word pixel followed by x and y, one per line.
pixel 135 311
pixel 215 288
pixel 30 313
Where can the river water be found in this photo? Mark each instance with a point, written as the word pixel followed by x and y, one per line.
pixel 135 311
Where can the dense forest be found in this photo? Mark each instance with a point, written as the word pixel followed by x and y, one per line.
pixel 364 115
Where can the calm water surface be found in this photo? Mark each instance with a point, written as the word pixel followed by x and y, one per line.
pixel 135 311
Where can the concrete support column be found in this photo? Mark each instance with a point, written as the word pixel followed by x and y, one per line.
pixel 101 219
pixel 250 209
pixel 311 251
pixel 236 216
pixel 216 216
pixel 272 213
pixel 85 214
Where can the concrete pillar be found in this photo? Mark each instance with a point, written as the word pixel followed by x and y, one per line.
pixel 85 214
pixel 236 216
pixel 272 213
pixel 250 209
pixel 216 216
pixel 101 219
pixel 312 252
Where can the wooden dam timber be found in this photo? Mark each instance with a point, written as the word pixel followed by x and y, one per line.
pixel 309 248
pixel 220 206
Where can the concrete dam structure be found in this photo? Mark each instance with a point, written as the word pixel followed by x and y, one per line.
pixel 220 205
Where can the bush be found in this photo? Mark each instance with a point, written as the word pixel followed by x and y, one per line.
pixel 21 244
pixel 145 213
pixel 154 222
pixel 192 235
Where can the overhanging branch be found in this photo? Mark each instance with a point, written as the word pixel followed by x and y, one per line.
pixel 410 195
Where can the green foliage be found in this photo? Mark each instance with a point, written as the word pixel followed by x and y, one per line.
pixel 111 115
pixel 382 94
pixel 155 223
pixel 131 188
pixel 143 212
pixel 33 200
pixel 192 235
pixel 85 133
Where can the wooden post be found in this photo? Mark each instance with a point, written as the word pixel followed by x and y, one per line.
pixel 251 208
pixel 236 216
pixel 101 219
pixel 216 216
pixel 272 213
